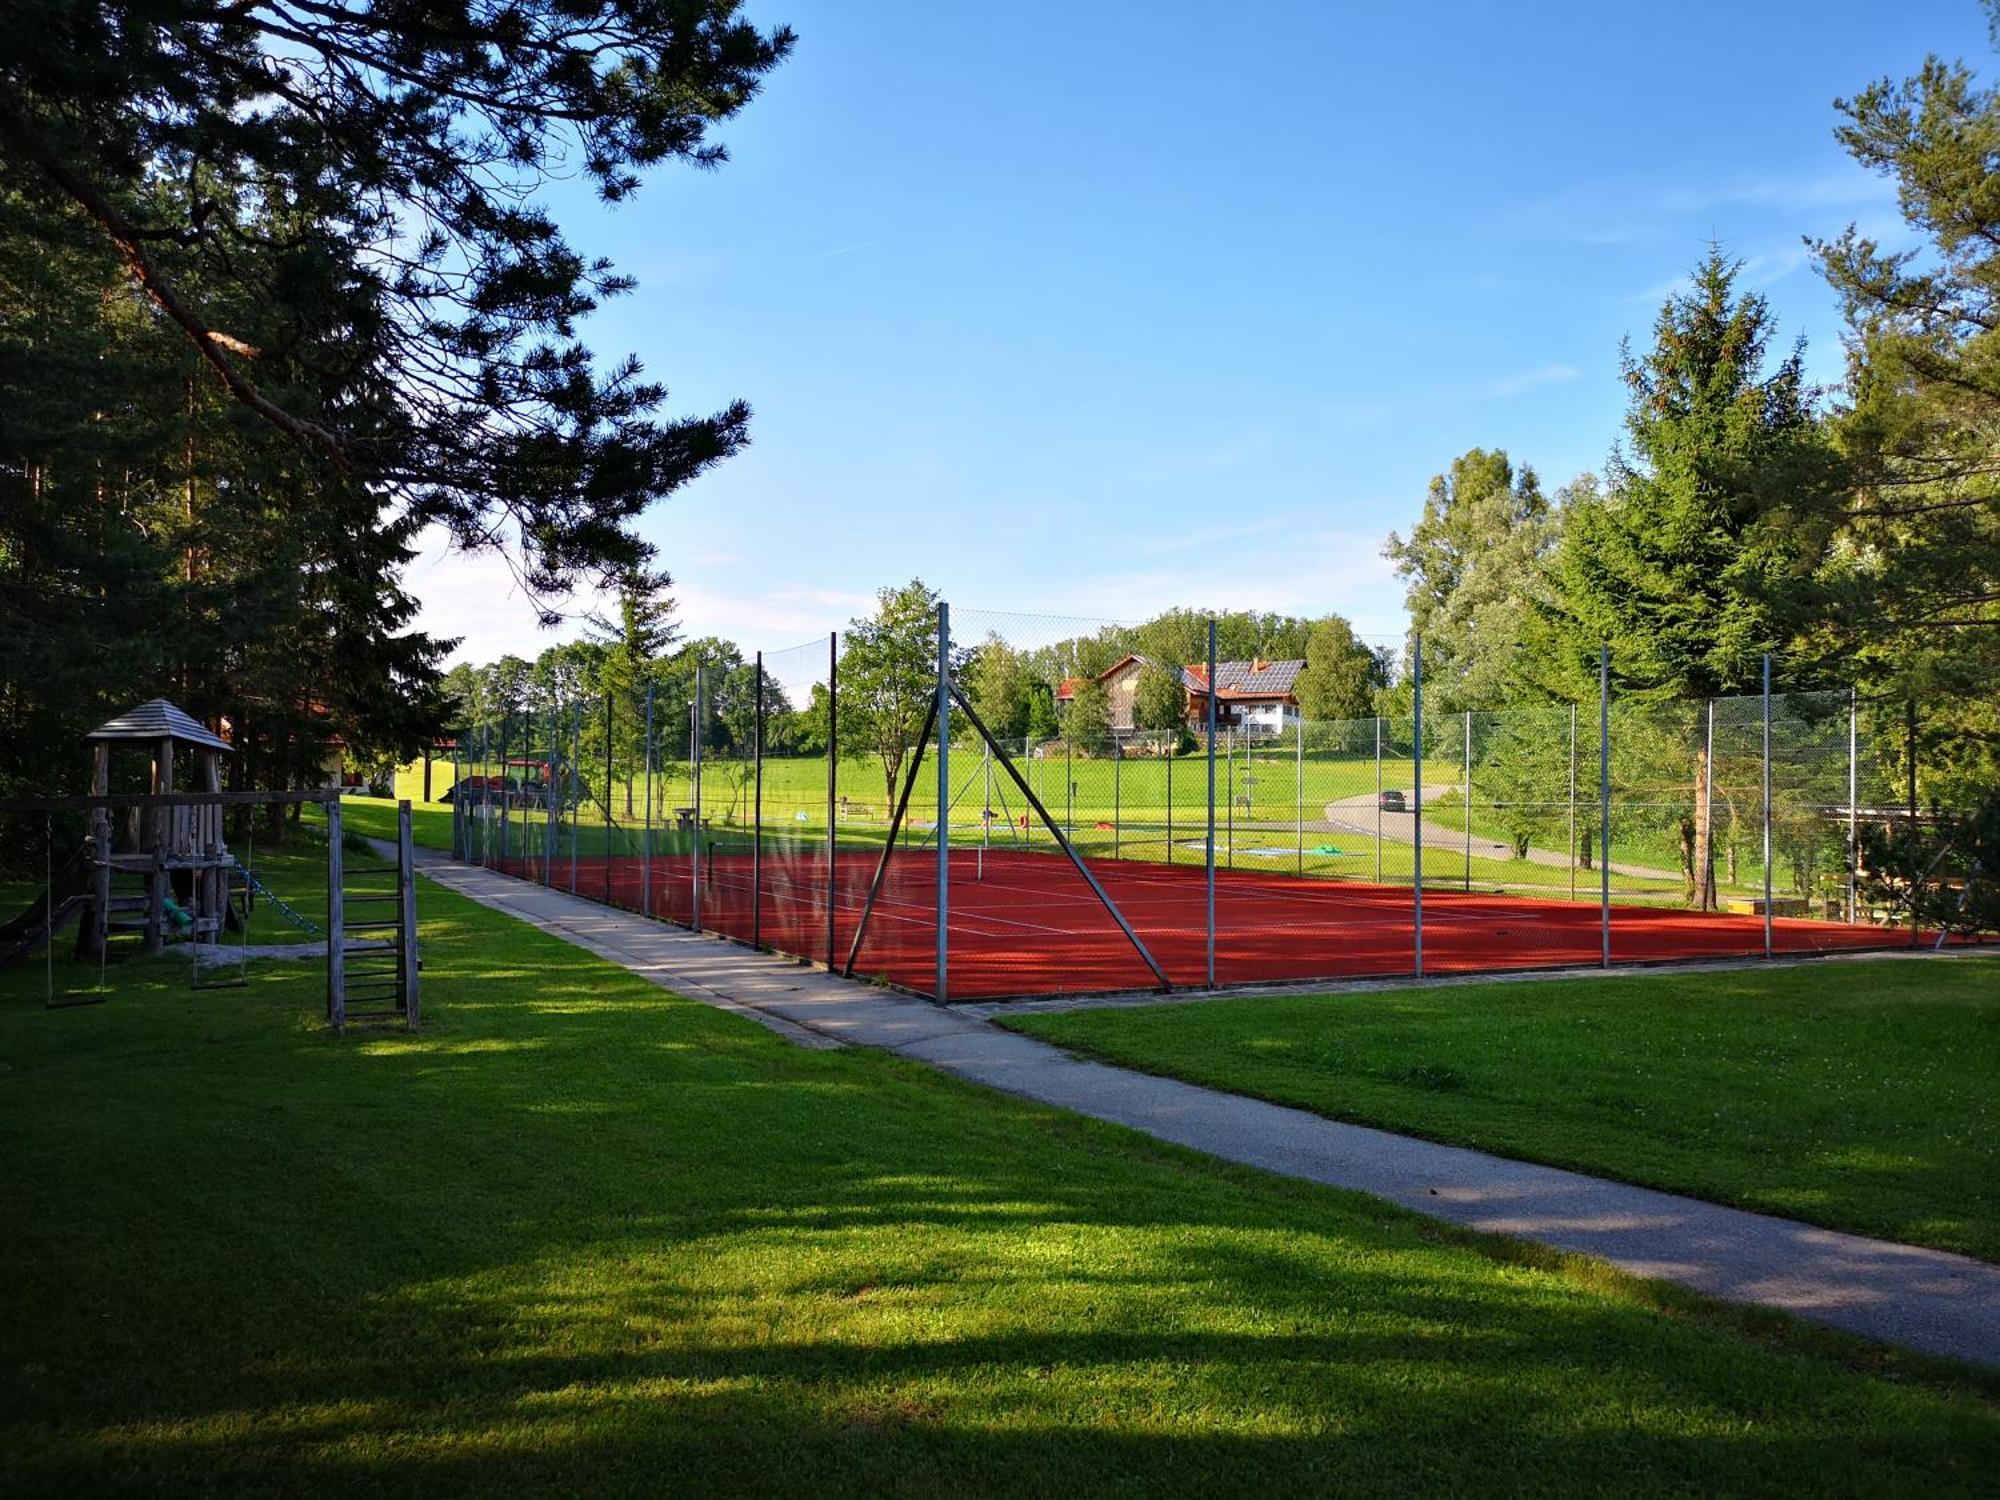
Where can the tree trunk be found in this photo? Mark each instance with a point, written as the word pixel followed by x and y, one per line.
pixel 889 769
pixel 1700 871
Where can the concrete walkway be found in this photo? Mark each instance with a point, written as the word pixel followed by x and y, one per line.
pixel 1925 1299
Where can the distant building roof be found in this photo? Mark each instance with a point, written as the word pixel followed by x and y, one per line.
pixel 157 720
pixel 1248 679
pixel 1066 690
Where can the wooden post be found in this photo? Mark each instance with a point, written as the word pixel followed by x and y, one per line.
pixel 97 932
pixel 161 838
pixel 406 911
pixel 211 885
pixel 336 922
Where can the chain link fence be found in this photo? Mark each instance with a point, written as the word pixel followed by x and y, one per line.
pixel 1095 807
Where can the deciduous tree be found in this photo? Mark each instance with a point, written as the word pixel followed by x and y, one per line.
pixel 888 675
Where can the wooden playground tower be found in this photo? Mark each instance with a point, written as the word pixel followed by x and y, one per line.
pixel 159 843
pixel 172 842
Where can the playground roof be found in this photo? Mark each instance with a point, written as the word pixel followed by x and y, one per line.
pixel 157 720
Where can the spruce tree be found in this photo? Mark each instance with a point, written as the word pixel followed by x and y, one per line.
pixel 1698 559
pixel 1917 572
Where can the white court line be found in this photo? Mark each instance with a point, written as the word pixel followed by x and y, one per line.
pixel 886 906
pixel 1354 905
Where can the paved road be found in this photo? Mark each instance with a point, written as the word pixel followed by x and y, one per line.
pixel 1358 815
pixel 1926 1299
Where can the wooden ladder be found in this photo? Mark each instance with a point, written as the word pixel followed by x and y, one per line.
pixel 381 984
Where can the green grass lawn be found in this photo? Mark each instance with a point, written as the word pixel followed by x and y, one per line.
pixel 1856 1095
pixel 583 1236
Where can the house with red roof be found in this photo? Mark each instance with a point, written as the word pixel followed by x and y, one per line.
pixel 1258 698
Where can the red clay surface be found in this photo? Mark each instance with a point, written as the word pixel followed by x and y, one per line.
pixel 1025 924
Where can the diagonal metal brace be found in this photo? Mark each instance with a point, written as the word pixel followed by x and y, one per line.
pixel 1042 812
pixel 889 844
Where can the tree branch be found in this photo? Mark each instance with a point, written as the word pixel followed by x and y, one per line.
pixel 213 345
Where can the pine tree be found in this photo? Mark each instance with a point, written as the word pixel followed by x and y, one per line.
pixel 1917 571
pixel 634 641
pixel 1699 558
pixel 253 170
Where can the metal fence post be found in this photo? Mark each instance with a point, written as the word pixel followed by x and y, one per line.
pixel 646 849
pixel 694 770
pixel 1604 800
pixel 1767 804
pixel 1378 799
pixel 485 798
pixel 1417 801
pixel 576 807
pixel 507 791
pixel 1910 758
pixel 336 920
pixel 1853 801
pixel 832 786
pixel 1468 799
pixel 1572 802
pixel 608 697
pixel 1117 798
pixel 1210 919
pixel 1705 876
pixel 944 802
pixel 1172 756
pixel 757 819
pixel 552 789
pixel 1299 791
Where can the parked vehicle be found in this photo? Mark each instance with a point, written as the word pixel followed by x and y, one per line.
pixel 1392 801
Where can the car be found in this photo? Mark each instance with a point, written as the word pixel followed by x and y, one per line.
pixel 1391 802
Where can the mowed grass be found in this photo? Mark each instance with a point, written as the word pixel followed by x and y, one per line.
pixel 584 1236
pixel 1858 1095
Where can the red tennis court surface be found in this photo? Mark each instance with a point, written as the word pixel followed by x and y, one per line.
pixel 1026 924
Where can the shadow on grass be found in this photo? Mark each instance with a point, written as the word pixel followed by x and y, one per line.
pixel 584 1235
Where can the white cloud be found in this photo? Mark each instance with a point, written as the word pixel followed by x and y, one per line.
pixel 477 597
pixel 1760 270
pixel 1527 380
pixel 1851 184
pixel 1303 573
pixel 1188 540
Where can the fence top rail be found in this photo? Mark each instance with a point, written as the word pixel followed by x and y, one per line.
pixel 165 799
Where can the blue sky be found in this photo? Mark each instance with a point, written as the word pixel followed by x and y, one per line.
pixel 1098 308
